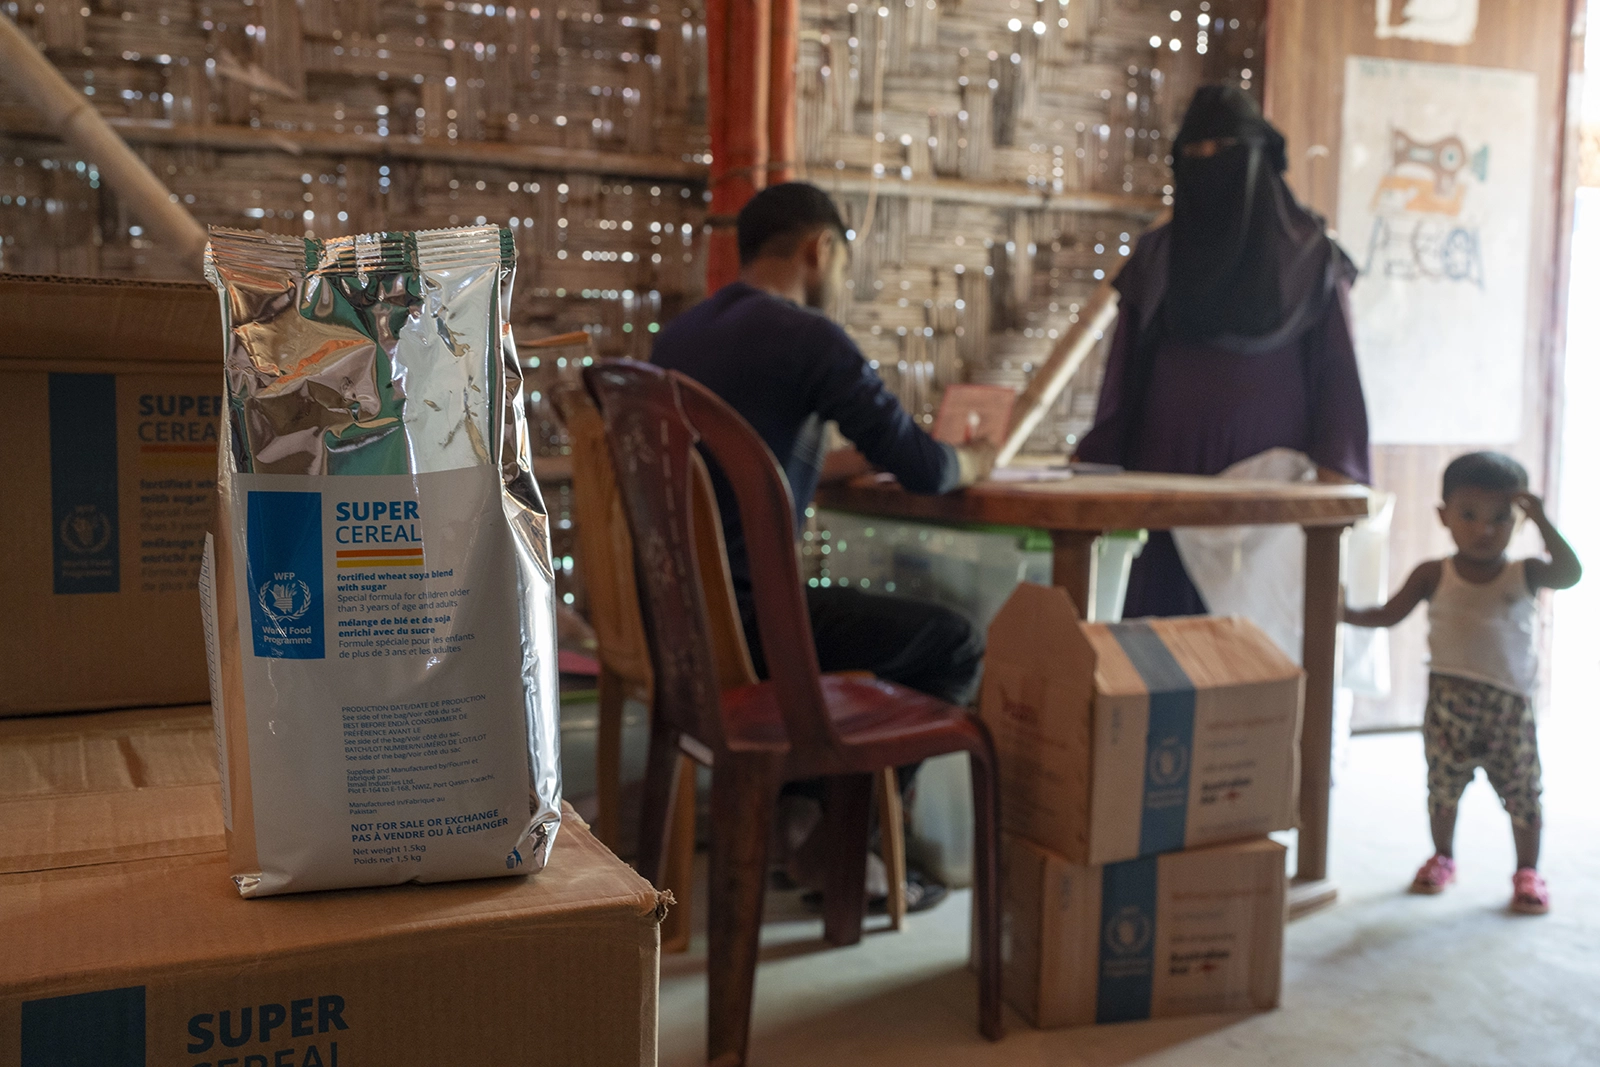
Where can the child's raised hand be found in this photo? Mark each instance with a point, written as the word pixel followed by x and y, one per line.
pixel 1562 570
pixel 1531 505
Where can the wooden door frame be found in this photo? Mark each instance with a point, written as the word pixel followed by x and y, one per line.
pixel 1307 123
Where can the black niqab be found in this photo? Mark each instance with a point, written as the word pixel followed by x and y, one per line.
pixel 1248 268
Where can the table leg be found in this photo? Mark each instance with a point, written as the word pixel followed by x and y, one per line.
pixel 1072 565
pixel 1311 888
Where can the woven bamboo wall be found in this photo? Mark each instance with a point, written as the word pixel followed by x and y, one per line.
pixel 996 155
pixel 581 125
pixel 1007 152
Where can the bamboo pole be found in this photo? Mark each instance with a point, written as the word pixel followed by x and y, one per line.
pixel 17 122
pixel 560 340
pixel 1001 194
pixel 74 119
pixel 1095 318
pixel 781 147
pixel 738 63
pixel 722 256
pixel 226 138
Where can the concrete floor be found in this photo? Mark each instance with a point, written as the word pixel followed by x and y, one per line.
pixel 1382 978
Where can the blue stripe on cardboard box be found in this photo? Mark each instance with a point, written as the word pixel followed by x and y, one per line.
pixel 283 538
pixel 83 483
pixel 1127 941
pixel 1164 808
pixel 100 1029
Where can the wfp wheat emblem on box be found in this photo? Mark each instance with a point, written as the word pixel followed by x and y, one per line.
pixel 86 530
pixel 1128 931
pixel 1168 761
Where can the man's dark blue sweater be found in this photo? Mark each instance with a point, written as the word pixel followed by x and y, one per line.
pixel 788 370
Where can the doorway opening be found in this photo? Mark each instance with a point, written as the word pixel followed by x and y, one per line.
pixel 1575 644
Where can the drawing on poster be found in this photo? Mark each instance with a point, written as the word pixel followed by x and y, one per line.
pixel 1435 206
pixel 1438 21
pixel 1418 230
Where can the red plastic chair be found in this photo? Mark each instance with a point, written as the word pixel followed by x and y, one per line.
pixel 800 724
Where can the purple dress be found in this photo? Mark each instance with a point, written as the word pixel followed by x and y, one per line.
pixel 1207 408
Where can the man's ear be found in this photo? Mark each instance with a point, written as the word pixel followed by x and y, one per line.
pixel 1440 509
pixel 817 248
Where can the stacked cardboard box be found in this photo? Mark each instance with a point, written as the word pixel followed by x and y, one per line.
pixel 113 404
pixel 124 940
pixel 1141 765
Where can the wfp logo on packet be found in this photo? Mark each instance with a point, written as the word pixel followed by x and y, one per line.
pixel 284 574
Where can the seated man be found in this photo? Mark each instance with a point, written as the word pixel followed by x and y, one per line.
pixel 762 345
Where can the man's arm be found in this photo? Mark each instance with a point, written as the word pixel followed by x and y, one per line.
pixel 1562 570
pixel 1419 586
pixel 841 465
pixel 842 387
pixel 973 464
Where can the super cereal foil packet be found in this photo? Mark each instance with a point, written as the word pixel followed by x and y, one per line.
pixel 377 585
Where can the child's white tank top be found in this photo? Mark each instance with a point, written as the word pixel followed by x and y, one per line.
pixel 1486 633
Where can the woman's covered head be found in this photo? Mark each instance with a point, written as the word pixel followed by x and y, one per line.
pixel 1248 267
pixel 1222 117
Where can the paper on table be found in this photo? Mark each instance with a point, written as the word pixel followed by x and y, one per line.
pixel 1030 474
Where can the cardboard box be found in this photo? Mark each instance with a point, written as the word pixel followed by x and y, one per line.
pixel 113 400
pixel 124 941
pixel 1187 933
pixel 1119 740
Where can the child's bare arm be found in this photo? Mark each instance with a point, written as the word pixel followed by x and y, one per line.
pixel 1419 586
pixel 1562 570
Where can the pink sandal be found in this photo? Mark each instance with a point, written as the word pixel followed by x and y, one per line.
pixel 1433 876
pixel 1529 894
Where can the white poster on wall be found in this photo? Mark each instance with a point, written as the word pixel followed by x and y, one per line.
pixel 1436 207
pixel 1438 21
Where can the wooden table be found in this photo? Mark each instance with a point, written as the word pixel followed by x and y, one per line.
pixel 1078 510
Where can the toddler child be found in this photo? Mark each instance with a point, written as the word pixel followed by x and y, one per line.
pixel 1483 660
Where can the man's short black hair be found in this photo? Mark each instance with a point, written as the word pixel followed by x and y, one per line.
pixel 1494 471
pixel 788 212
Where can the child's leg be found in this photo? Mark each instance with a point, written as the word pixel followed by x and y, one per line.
pixel 1527 838
pixel 1442 821
pixel 1448 726
pixel 1513 768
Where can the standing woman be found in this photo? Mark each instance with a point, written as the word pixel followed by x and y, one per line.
pixel 1234 332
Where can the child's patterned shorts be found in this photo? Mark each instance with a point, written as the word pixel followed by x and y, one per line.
pixel 1473 724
